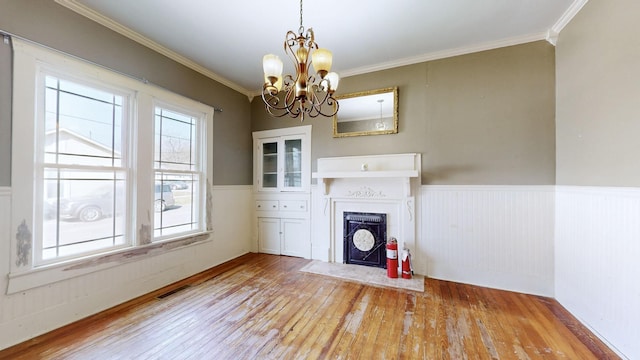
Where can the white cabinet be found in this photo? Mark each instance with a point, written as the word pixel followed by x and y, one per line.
pixel 282 182
pixel 282 224
pixel 295 237
pixel 282 159
pixel 269 235
pixel 283 236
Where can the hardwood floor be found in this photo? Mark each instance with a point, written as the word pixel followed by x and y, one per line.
pixel 261 307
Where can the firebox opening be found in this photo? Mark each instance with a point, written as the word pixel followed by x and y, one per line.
pixel 365 237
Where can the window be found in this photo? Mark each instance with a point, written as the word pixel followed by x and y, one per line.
pixel 109 163
pixel 82 170
pixel 177 172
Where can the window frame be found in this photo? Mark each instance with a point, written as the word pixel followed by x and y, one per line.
pixel 201 158
pixel 27 268
pixel 126 158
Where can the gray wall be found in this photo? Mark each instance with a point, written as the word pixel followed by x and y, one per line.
pixel 5 113
pixel 482 118
pixel 50 24
pixel 598 96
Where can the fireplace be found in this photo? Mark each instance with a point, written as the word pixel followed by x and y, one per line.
pixel 364 239
pixel 386 184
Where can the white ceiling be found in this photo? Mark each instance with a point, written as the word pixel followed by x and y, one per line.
pixel 226 39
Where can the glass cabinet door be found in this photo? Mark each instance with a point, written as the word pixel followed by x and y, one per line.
pixel 270 165
pixel 281 159
pixel 293 163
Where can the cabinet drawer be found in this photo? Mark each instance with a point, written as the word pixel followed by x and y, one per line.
pixel 267 205
pixel 293 205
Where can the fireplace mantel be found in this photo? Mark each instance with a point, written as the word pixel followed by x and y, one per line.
pixel 382 184
pixel 401 166
pixel 326 177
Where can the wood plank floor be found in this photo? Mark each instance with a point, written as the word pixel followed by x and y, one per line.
pixel 261 307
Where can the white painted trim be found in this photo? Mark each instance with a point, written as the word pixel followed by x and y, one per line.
pixel 293 130
pixel 599 190
pixel 232 187
pixel 5 191
pixel 544 188
pixel 445 54
pixel 45 275
pixel 127 32
pixel 568 15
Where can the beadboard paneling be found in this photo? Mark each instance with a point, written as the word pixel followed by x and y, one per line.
pixel 597 261
pixel 5 234
pixel 495 236
pixel 29 313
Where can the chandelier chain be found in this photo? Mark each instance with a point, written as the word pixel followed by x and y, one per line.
pixel 301 27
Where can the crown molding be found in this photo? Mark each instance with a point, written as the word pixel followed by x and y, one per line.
pixel 445 54
pixel 571 12
pixel 438 55
pixel 554 31
pixel 129 33
pixel 551 36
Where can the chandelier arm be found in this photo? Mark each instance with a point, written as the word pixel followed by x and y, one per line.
pixel 290 39
pixel 316 97
pixel 271 103
pixel 324 101
pixel 295 110
pixel 272 100
pixel 310 40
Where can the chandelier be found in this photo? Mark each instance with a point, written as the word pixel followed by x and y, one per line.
pixel 304 93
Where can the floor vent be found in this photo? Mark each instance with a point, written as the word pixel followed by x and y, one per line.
pixel 171 292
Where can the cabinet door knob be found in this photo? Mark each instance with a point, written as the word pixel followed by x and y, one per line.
pixel 285 206
pixel 259 205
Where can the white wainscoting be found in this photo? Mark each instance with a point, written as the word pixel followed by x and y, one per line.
pixel 598 261
pixel 30 313
pixel 495 236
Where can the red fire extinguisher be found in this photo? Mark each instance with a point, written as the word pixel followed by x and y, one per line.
pixel 407 269
pixel 392 258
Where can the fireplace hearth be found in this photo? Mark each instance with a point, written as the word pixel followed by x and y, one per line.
pixel 365 239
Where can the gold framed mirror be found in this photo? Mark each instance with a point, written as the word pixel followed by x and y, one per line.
pixel 372 112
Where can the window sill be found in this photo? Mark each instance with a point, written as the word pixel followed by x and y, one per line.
pixel 49 274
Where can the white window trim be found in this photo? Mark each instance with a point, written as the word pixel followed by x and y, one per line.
pixel 28 59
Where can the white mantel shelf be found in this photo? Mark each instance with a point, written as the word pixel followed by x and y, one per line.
pixel 405 175
pixel 365 174
pixel 398 166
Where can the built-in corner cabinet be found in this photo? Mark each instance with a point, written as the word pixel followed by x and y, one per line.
pixel 282 181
